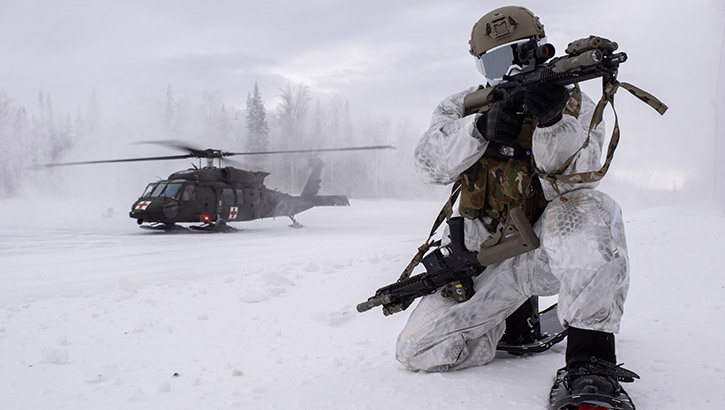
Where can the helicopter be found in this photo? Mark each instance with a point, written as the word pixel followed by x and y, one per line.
pixel 212 196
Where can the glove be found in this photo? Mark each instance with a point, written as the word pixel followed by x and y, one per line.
pixel 502 122
pixel 546 102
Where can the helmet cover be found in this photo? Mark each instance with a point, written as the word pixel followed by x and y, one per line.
pixel 504 25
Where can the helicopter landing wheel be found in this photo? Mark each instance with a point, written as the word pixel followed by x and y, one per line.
pixel 295 224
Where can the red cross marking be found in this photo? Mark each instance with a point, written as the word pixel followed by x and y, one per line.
pixel 143 205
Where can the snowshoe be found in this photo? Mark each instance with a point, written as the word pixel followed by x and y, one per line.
pixel 548 332
pixel 591 385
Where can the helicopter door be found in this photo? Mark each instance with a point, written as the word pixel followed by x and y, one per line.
pixel 245 211
pixel 189 208
pixel 229 208
pixel 254 202
pixel 189 193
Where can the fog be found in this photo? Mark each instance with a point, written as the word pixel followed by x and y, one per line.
pixel 85 80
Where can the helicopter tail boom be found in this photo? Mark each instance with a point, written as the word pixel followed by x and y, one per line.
pixel 330 200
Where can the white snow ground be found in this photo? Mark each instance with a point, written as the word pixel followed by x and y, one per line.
pixel 98 314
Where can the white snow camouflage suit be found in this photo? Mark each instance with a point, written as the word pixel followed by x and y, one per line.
pixel 582 256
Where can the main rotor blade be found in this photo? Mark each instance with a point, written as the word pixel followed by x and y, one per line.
pixel 210 153
pixel 180 145
pixel 298 151
pixel 168 157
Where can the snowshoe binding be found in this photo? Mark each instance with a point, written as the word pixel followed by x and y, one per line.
pixel 531 331
pixel 591 385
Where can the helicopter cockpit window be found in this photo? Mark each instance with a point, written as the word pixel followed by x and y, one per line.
pixel 158 190
pixel 172 191
pixel 149 189
pixel 189 193
pixel 240 197
pixel 227 197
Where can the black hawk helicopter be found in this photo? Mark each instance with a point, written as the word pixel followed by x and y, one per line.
pixel 214 195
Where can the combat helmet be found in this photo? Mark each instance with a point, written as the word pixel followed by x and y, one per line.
pixel 496 37
pixel 502 26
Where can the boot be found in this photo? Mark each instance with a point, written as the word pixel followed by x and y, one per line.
pixel 588 354
pixel 591 376
pixel 522 326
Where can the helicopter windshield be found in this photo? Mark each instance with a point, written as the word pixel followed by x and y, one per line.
pixel 149 189
pixel 167 190
pixel 172 191
pixel 158 190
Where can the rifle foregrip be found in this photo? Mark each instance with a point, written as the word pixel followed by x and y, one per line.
pixel 478 101
pixel 586 59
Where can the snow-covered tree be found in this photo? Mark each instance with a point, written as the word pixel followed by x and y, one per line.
pixel 292 113
pixel 169 111
pixel 318 130
pixel 51 139
pixel 93 115
pixel 8 147
pixel 292 120
pixel 257 128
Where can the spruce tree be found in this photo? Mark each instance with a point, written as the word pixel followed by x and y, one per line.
pixel 169 112
pixel 258 131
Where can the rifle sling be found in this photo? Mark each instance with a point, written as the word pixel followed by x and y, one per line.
pixel 610 85
pixel 443 215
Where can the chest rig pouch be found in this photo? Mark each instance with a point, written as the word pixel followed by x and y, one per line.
pixel 504 177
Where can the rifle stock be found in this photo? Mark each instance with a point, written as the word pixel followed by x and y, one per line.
pixel 516 237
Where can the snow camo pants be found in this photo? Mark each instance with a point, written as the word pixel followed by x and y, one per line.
pixel 582 257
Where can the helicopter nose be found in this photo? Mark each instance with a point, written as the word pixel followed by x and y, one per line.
pixel 142 208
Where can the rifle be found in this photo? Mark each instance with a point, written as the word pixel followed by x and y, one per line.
pixel 451 268
pixel 586 59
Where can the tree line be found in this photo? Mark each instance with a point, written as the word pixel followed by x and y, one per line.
pixel 38 136
pixel 300 119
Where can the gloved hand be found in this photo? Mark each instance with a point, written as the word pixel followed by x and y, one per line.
pixel 546 102
pixel 502 122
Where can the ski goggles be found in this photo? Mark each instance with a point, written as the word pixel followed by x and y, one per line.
pixel 499 61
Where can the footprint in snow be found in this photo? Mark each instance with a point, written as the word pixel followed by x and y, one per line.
pixel 333 318
pixel 254 297
pixel 278 279
pixel 102 374
pixel 312 267
pixel 56 355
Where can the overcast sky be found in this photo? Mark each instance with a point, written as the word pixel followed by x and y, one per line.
pixel 399 56
pixel 360 49
pixel 394 57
